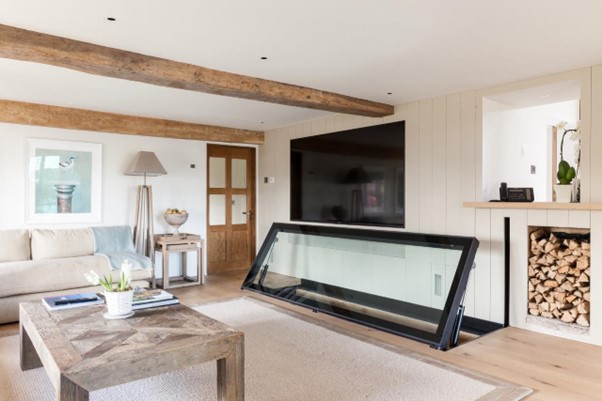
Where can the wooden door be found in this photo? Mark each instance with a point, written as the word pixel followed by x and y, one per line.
pixel 230 208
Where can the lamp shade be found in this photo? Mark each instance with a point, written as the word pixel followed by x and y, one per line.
pixel 147 164
pixel 357 175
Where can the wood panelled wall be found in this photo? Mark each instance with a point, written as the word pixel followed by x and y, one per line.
pixel 444 169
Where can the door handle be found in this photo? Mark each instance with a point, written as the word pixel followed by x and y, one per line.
pixel 250 213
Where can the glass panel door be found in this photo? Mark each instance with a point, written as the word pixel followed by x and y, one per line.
pixel 231 206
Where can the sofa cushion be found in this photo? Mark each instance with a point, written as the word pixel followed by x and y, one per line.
pixel 49 274
pixel 51 244
pixel 14 245
pixel 35 276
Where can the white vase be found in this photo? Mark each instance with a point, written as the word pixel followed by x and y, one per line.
pixel 119 303
pixel 563 193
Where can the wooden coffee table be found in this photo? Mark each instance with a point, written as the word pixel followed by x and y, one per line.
pixel 83 352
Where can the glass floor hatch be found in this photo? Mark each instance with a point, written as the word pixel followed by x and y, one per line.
pixel 409 284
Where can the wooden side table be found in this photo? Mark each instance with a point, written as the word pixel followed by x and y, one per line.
pixel 182 244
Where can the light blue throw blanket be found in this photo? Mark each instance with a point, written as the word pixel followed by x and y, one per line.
pixel 116 243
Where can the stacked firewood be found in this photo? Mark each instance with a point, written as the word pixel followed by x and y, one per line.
pixel 559 278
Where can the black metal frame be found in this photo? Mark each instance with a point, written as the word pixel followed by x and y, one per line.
pixel 450 318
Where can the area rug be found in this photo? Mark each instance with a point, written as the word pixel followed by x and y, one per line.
pixel 287 358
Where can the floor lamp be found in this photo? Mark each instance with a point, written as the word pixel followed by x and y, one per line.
pixel 146 164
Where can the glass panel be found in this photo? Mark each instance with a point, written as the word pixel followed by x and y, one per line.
pixel 217 210
pixel 217 172
pixel 239 209
pixel 239 173
pixel 397 281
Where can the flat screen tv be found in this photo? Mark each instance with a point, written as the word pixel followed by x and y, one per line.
pixel 350 177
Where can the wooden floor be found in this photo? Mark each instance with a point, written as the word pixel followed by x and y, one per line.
pixel 556 369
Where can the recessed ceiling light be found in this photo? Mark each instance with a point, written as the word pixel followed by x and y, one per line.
pixel 111 19
pixel 389 93
pixel 261 122
pixel 264 58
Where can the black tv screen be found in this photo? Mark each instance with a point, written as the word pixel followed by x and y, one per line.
pixel 350 177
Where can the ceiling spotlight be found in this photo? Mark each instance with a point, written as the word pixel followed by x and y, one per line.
pixel 261 122
pixel 264 58
pixel 389 93
pixel 111 19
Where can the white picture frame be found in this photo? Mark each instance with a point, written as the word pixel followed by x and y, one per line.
pixel 63 181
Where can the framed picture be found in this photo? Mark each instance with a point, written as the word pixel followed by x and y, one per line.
pixel 63 181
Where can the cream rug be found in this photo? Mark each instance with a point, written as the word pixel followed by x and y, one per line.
pixel 288 358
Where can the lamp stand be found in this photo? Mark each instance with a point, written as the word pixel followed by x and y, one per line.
pixel 144 241
pixel 357 205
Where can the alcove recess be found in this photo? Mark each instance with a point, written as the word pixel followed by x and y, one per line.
pixel 559 278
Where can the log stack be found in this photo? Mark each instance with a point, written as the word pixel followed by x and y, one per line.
pixel 559 278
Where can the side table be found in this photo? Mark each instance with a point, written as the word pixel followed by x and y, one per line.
pixel 182 244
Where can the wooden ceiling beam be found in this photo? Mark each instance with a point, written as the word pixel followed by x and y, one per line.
pixel 64 117
pixel 21 44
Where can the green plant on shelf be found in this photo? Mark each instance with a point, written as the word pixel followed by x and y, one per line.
pixel 566 173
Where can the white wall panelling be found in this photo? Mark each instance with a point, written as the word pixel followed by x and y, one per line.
pixel 411 114
pixel 453 167
pixel 596 133
pixel 537 217
pixel 426 165
pixel 579 219
pixel 558 218
pixel 439 166
pixel 482 273
pixel 596 278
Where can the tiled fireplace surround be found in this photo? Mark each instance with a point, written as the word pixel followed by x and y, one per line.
pixel 490 232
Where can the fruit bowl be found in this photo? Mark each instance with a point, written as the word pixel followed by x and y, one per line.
pixel 175 218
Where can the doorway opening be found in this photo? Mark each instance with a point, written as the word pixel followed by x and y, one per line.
pixel 521 137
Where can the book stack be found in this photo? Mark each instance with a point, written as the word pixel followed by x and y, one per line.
pixel 151 298
pixel 71 301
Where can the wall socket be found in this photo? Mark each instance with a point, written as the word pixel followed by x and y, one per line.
pixel 269 180
pixel 533 169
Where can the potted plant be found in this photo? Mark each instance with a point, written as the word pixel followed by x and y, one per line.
pixel 564 189
pixel 118 295
pixel 566 173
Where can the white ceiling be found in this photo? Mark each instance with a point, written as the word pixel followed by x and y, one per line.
pixel 413 48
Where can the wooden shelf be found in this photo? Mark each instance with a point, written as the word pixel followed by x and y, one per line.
pixel 534 205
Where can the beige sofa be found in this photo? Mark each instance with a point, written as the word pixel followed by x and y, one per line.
pixel 50 262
